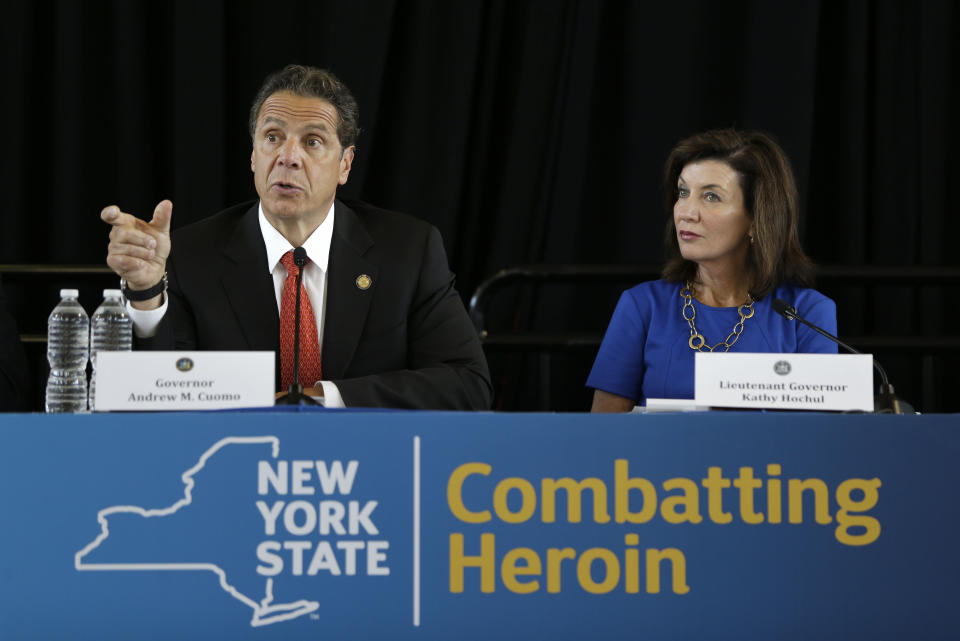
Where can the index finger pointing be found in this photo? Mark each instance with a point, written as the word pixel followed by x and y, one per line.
pixel 116 218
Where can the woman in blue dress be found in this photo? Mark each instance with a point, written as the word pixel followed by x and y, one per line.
pixel 732 247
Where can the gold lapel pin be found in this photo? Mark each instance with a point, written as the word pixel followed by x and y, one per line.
pixel 364 281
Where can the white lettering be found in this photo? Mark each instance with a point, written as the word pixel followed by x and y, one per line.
pixel 267 475
pixel 334 477
pixel 265 553
pixel 331 515
pixel 290 518
pixel 269 516
pixel 351 548
pixel 359 517
pixel 301 474
pixel 374 556
pixel 324 559
pixel 298 548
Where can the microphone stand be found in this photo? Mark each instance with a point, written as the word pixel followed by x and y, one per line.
pixel 886 401
pixel 295 395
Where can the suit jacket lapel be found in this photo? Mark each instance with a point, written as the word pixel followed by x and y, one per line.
pixel 347 303
pixel 248 285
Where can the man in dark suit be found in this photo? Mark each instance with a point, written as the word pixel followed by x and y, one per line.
pixel 390 327
pixel 14 374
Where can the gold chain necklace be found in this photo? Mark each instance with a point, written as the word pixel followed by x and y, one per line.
pixel 697 342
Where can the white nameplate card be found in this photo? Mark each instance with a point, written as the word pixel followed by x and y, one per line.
pixel 836 382
pixel 159 381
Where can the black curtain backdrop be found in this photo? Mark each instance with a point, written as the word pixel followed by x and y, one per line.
pixel 527 131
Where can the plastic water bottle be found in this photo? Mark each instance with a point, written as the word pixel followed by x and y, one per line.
pixel 111 330
pixel 68 336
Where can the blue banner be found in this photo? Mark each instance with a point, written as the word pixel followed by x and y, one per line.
pixel 422 525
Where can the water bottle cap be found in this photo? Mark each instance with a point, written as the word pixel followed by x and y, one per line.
pixel 69 293
pixel 112 293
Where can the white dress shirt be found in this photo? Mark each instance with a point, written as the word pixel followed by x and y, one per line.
pixel 145 322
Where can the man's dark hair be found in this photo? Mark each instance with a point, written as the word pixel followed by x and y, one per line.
pixel 769 197
pixel 315 83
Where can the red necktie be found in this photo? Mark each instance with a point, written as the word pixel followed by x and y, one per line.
pixel 310 371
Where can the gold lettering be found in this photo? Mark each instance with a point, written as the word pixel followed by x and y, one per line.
pixel 821 498
pixel 528 503
pixel 622 484
pixel 574 490
pixel 510 570
pixel 554 558
pixel 459 561
pixel 871 526
pixel 690 500
pixel 746 483
pixel 455 492
pixel 611 570
pixel 678 563
pixel 715 484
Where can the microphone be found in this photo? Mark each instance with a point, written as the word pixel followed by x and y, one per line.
pixel 295 395
pixel 886 401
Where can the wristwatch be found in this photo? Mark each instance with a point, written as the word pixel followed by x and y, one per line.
pixel 143 294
